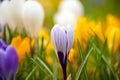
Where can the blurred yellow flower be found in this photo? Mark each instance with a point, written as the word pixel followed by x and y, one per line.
pixel 47 45
pixel 48 5
pixel 22 46
pixel 72 55
pixel 48 51
pixel 112 20
pixel 97 29
pixel 85 29
pixel 49 60
pixel 113 36
pixel 33 43
pixel 82 31
pixel 49 48
pixel 112 33
pixel 43 33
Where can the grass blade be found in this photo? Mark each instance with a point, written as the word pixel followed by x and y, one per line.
pixel 82 65
pixel 69 77
pixel 29 75
pixel 38 65
pixel 82 58
pixel 106 61
pixel 4 34
pixel 9 33
pixel 46 67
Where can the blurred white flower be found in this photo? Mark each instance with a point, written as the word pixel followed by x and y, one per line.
pixel 64 18
pixel 33 16
pixel 4 12
pixel 11 13
pixel 68 12
pixel 16 7
pixel 74 6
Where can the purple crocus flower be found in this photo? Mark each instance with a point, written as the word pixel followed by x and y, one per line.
pixel 8 61
pixel 62 39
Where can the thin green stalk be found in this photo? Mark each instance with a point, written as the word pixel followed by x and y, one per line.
pixel 105 60
pixel 83 64
pixel 46 67
pixel 82 58
pixel 39 65
pixel 29 75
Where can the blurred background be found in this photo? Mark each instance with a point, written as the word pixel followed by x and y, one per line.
pixel 93 9
pixel 96 24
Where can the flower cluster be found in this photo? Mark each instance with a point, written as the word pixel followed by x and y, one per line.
pixel 20 13
pixel 76 47
pixel 110 30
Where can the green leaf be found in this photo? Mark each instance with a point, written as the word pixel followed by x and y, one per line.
pixel 55 70
pixel 106 61
pixel 38 51
pixel 83 64
pixel 82 58
pixel 4 34
pixel 29 75
pixel 71 69
pixel 46 67
pixel 34 61
pixel 10 33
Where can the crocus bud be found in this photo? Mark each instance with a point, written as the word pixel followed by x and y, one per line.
pixel 33 16
pixel 16 7
pixel 8 61
pixel 62 39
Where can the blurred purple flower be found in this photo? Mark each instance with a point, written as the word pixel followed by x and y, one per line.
pixel 62 39
pixel 1 0
pixel 8 61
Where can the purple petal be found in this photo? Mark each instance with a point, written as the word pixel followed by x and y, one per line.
pixel 2 44
pixel 58 38
pixel 2 59
pixel 61 57
pixel 11 61
pixel 70 37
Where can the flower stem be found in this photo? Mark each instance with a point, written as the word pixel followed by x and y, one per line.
pixel 63 63
pixel 64 73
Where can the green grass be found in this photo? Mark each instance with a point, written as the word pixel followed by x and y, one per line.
pixel 96 62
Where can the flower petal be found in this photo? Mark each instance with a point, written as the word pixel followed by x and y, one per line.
pixel 2 44
pixel 70 37
pixel 2 59
pixel 11 61
pixel 58 38
pixel 33 16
